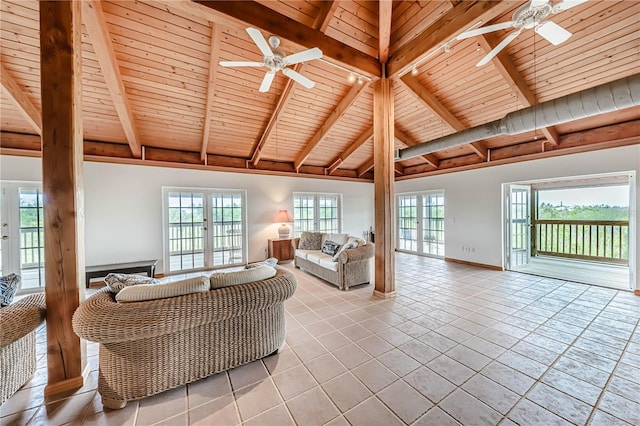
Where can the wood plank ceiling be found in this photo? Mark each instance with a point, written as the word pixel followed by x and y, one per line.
pixel 154 92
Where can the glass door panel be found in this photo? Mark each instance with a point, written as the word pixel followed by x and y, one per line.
pixel 408 222
pixel 186 230
pixel 519 226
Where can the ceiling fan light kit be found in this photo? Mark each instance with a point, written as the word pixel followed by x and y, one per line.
pixel 532 15
pixel 275 60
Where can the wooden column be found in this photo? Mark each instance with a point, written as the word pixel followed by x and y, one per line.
pixel 62 183
pixel 383 175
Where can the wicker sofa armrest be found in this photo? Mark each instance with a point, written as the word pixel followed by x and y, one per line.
pixel 361 253
pixel 101 319
pixel 21 318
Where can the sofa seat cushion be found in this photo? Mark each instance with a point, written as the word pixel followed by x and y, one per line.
pixel 328 263
pixel 302 254
pixel 142 292
pixel 225 279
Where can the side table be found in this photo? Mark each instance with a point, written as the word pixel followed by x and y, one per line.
pixel 281 249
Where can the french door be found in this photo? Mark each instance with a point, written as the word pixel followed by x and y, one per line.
pixel 519 224
pixel 204 229
pixel 22 233
pixel 420 223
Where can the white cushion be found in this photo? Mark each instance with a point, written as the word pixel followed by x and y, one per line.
pixel 328 263
pixel 302 254
pixel 224 279
pixel 359 241
pixel 315 256
pixel 142 292
pixel 336 238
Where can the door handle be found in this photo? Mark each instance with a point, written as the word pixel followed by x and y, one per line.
pixel 4 237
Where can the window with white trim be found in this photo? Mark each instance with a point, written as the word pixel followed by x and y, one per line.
pixel 317 213
pixel 204 228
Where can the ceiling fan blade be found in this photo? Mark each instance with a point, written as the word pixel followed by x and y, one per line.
pixel 298 78
pixel 259 40
pixel 508 39
pixel 553 32
pixel 567 4
pixel 241 64
pixel 267 80
pixel 306 55
pixel 484 30
pixel 537 3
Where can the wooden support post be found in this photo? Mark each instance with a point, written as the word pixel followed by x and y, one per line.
pixel 383 182
pixel 62 183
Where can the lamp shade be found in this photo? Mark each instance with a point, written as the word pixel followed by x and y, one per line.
pixel 283 216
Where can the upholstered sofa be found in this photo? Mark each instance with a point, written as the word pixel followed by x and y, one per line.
pixel 18 324
pixel 346 268
pixel 151 346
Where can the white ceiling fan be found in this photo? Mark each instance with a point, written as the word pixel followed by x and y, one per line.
pixel 276 61
pixel 534 15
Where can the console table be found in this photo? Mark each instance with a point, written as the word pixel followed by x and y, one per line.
pixel 99 271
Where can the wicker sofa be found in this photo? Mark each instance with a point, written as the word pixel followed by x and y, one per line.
pixel 19 322
pixel 152 346
pixel 351 268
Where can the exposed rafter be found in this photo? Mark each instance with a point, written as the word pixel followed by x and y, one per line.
pixel 211 87
pixel 455 21
pixel 96 25
pixel 328 9
pixel 321 23
pixel 439 110
pixel 284 99
pixel 340 110
pixel 240 13
pixel 385 9
pixel 30 112
pixel 513 77
pixel 362 139
pixel 404 139
pixel 364 168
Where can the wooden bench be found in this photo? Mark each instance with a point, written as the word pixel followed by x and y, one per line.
pixel 99 271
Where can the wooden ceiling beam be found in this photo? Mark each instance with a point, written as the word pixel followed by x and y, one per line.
pixel 324 16
pixel 403 138
pixel 361 140
pixel 462 16
pixel 96 25
pixel 364 168
pixel 241 13
pixel 385 9
pixel 30 112
pixel 339 111
pixel 507 69
pixel 284 99
pixel 214 54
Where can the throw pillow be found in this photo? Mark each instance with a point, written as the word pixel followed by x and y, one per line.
pixel 142 292
pixel 8 286
pixel 116 282
pixel 310 241
pixel 330 248
pixel 349 245
pixel 272 261
pixel 225 279
pixel 358 241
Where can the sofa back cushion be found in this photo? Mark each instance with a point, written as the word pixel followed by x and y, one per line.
pixel 310 241
pixel 225 279
pixel 142 292
pixel 339 239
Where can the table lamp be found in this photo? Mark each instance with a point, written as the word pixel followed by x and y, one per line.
pixel 283 217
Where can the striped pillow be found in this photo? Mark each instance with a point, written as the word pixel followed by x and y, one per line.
pixel 224 279
pixel 8 286
pixel 142 292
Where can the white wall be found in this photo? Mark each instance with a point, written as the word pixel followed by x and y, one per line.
pixel 123 204
pixel 473 199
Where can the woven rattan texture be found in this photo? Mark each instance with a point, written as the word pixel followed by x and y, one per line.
pixel 149 347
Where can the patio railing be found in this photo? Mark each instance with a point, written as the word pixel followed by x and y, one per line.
pixel 596 240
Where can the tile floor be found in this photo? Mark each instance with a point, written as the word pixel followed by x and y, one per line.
pixel 457 345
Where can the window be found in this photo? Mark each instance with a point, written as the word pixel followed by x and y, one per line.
pixel 317 213
pixel 22 248
pixel 204 228
pixel 421 223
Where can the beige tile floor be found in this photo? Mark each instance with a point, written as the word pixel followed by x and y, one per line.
pixel 458 345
